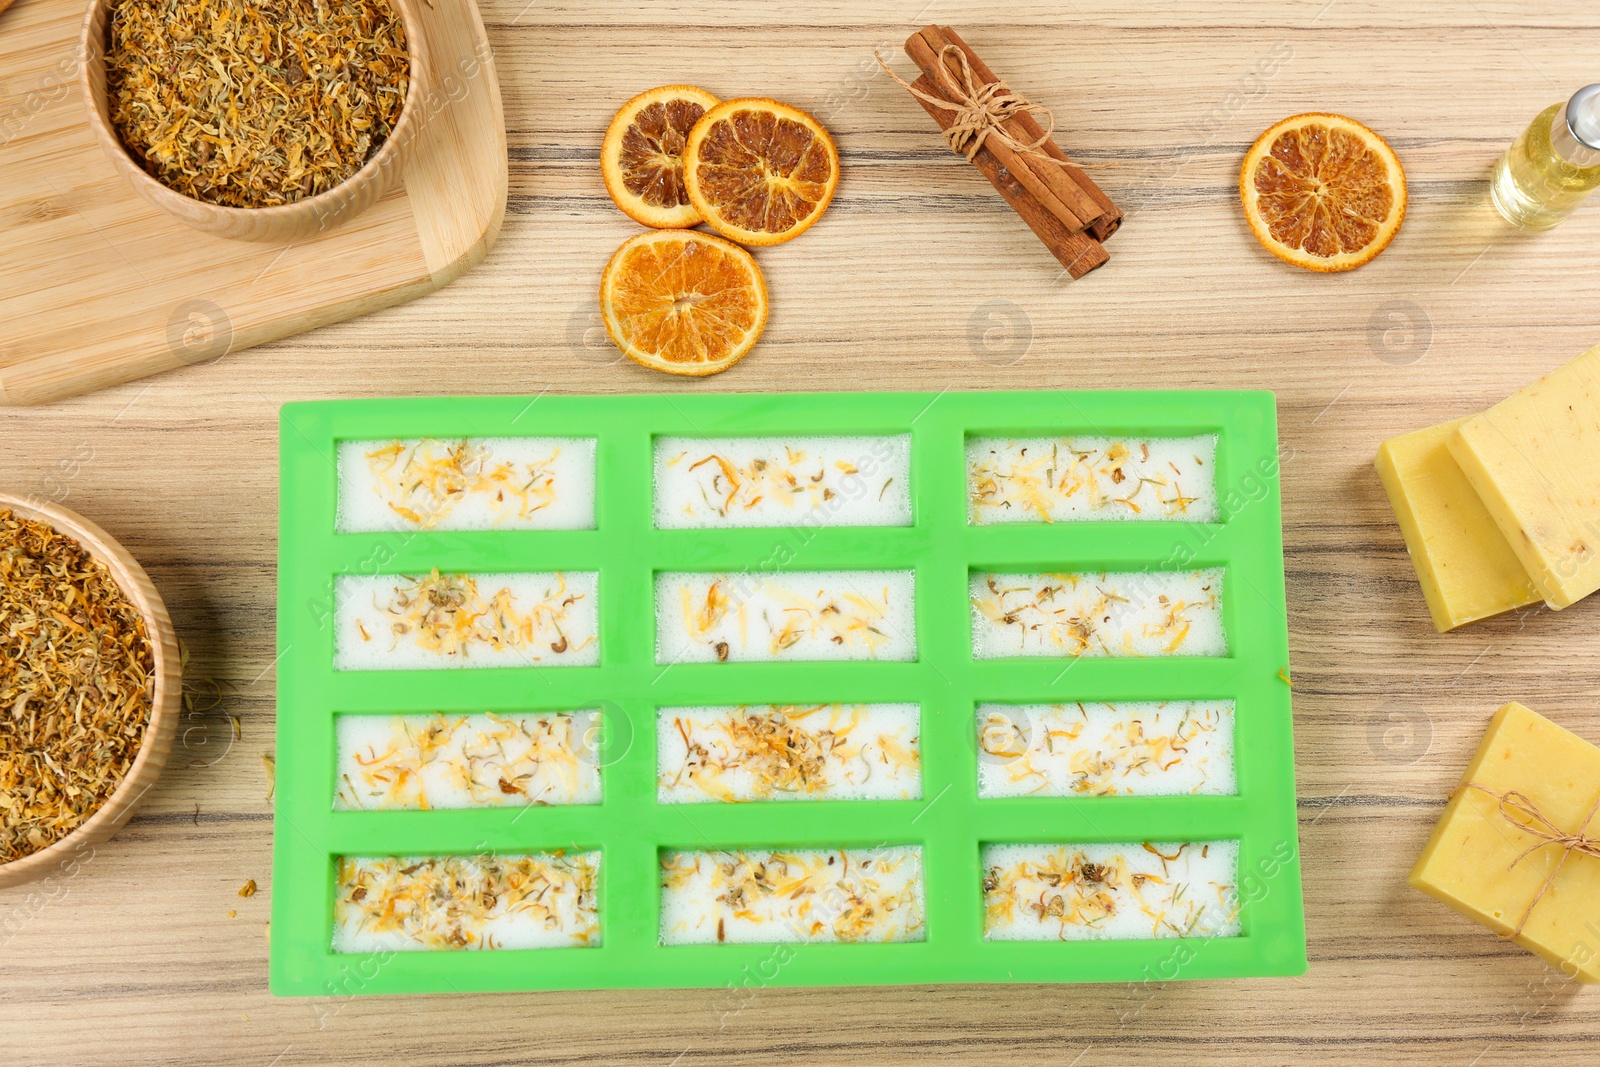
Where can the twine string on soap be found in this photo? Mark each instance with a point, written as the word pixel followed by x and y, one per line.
pixel 980 110
pixel 1519 809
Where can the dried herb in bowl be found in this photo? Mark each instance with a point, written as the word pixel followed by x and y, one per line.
pixel 77 681
pixel 255 103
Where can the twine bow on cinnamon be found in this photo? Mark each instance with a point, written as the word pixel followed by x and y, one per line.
pixel 1002 135
pixel 980 110
pixel 1519 809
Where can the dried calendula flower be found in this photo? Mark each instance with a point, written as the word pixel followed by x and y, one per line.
pixel 466 902
pixel 447 614
pixel 786 750
pixel 425 481
pixel 259 103
pixel 77 681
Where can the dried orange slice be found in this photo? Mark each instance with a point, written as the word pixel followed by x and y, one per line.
pixel 758 171
pixel 683 302
pixel 641 158
pixel 1323 192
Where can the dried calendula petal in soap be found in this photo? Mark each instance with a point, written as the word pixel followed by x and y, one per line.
pixel 466 483
pixel 760 897
pixel 443 761
pixel 1110 892
pixel 426 622
pixel 1061 479
pixel 1131 748
pixel 797 616
pixel 443 903
pixel 1154 613
pixel 782 481
pixel 788 752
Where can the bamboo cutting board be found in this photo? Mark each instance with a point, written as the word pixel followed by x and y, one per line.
pixel 99 287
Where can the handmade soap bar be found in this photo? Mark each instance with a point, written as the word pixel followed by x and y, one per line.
pixel 1495 855
pixel 1535 462
pixel 1464 564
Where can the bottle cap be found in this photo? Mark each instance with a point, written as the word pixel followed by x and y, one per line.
pixel 1576 131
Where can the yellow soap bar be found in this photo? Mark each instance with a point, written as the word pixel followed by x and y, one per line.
pixel 1471 862
pixel 1464 564
pixel 1535 462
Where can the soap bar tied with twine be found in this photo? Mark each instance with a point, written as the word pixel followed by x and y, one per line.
pixel 1520 811
pixel 996 129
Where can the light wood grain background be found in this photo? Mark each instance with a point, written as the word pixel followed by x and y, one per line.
pixel 917 278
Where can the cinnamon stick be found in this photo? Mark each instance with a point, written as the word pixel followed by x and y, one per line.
pixel 927 60
pixel 1061 183
pixel 1075 250
pixel 1111 219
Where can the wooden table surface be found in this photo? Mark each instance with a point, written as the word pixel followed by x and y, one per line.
pixel 918 277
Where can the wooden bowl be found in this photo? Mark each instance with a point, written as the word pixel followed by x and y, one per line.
pixel 285 222
pixel 165 709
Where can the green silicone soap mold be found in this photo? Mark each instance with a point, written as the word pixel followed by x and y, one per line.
pixel 630 828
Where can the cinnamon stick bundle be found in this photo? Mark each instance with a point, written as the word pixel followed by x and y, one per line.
pixel 1077 251
pixel 1065 208
pixel 1111 219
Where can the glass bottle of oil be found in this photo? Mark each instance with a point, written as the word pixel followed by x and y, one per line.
pixel 1554 164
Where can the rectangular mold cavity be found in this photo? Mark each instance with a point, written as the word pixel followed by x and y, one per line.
pixel 1128 748
pixel 798 616
pixel 1082 477
pixel 1111 892
pixel 444 761
pixel 722 483
pixel 447 903
pixel 786 896
pixel 466 483
pixel 439 621
pixel 328 576
pixel 788 752
pixel 1061 615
